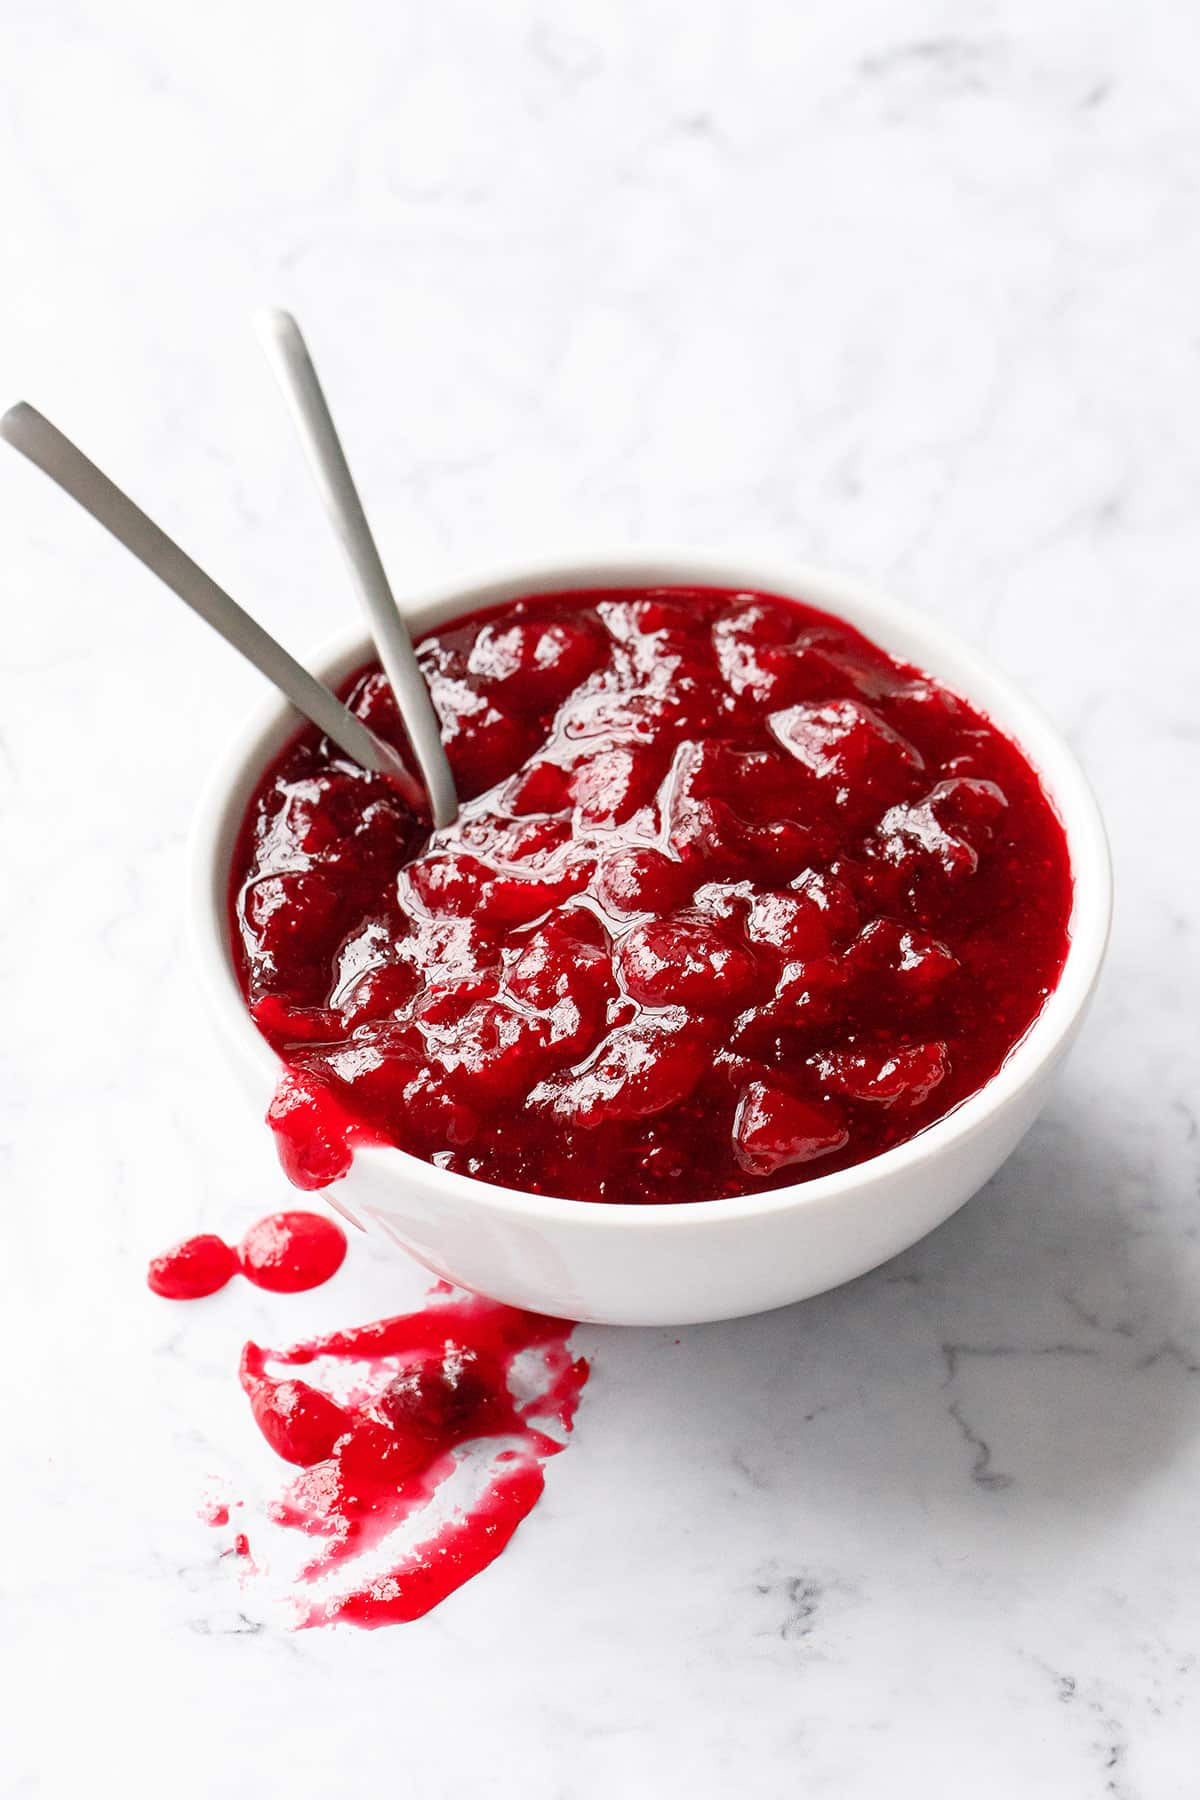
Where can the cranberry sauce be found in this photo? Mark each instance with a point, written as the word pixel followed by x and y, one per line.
pixel 290 1252
pixel 286 1252
pixel 425 1387
pixel 735 899
pixel 190 1270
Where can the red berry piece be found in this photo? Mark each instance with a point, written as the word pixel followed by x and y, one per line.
pixel 289 1026
pixel 888 1077
pixel 563 960
pixel 450 998
pixel 912 842
pixel 512 899
pixel 833 898
pixel 771 678
pixel 922 706
pixel 758 781
pixel 448 949
pixel 733 1069
pixel 292 1251
pixel 809 996
pixel 856 656
pixel 534 664
pixel 294 922
pixel 449 883
pixel 905 962
pixel 640 1069
pixel 317 814
pixel 808 671
pixel 301 1424
pixel 610 786
pixel 438 1118
pixel 749 830
pixel 374 703
pixel 542 787
pixel 945 833
pixel 776 848
pixel 974 809
pixel 381 993
pixel 652 616
pixel 491 1056
pixel 371 1456
pixel 705 835
pixel 535 841
pixel 795 924
pixel 384 1076
pixel 685 960
pixel 385 836
pixel 485 744
pixel 772 1130
pixel 874 886
pixel 574 1030
pixel 642 880
pixel 848 748
pixel 447 1396
pixel 749 619
pixel 198 1266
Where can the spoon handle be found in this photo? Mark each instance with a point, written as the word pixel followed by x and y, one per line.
pixel 36 438
pixel 288 354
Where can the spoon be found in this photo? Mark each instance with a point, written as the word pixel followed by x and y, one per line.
pixel 289 357
pixel 44 445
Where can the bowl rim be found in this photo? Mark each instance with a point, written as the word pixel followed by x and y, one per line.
pixel 900 630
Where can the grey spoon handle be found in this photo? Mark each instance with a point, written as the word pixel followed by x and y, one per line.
pixel 289 357
pixel 36 438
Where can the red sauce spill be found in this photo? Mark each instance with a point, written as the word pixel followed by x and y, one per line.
pixel 287 1252
pixel 198 1266
pixel 735 899
pixel 291 1251
pixel 425 1391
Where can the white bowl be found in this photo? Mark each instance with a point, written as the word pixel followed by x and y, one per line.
pixel 698 1260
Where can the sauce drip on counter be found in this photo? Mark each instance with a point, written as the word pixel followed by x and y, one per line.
pixel 418 1395
pixel 287 1253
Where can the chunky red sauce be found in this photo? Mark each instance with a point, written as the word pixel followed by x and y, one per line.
pixel 418 1395
pixel 735 899
pixel 286 1252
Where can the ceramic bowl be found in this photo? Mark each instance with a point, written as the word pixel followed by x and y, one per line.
pixel 698 1260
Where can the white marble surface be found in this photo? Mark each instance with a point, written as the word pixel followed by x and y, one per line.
pixel 901 284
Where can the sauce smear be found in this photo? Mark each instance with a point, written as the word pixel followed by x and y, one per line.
pixel 410 1402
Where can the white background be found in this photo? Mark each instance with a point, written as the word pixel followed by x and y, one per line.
pixel 907 286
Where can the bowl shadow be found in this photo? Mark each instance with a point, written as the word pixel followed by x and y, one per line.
pixel 1039 1351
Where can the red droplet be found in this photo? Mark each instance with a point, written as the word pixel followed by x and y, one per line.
pixel 291 1251
pixel 198 1266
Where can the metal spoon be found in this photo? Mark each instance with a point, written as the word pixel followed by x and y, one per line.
pixel 294 370
pixel 36 438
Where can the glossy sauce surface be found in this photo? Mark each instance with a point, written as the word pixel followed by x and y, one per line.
pixel 735 899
